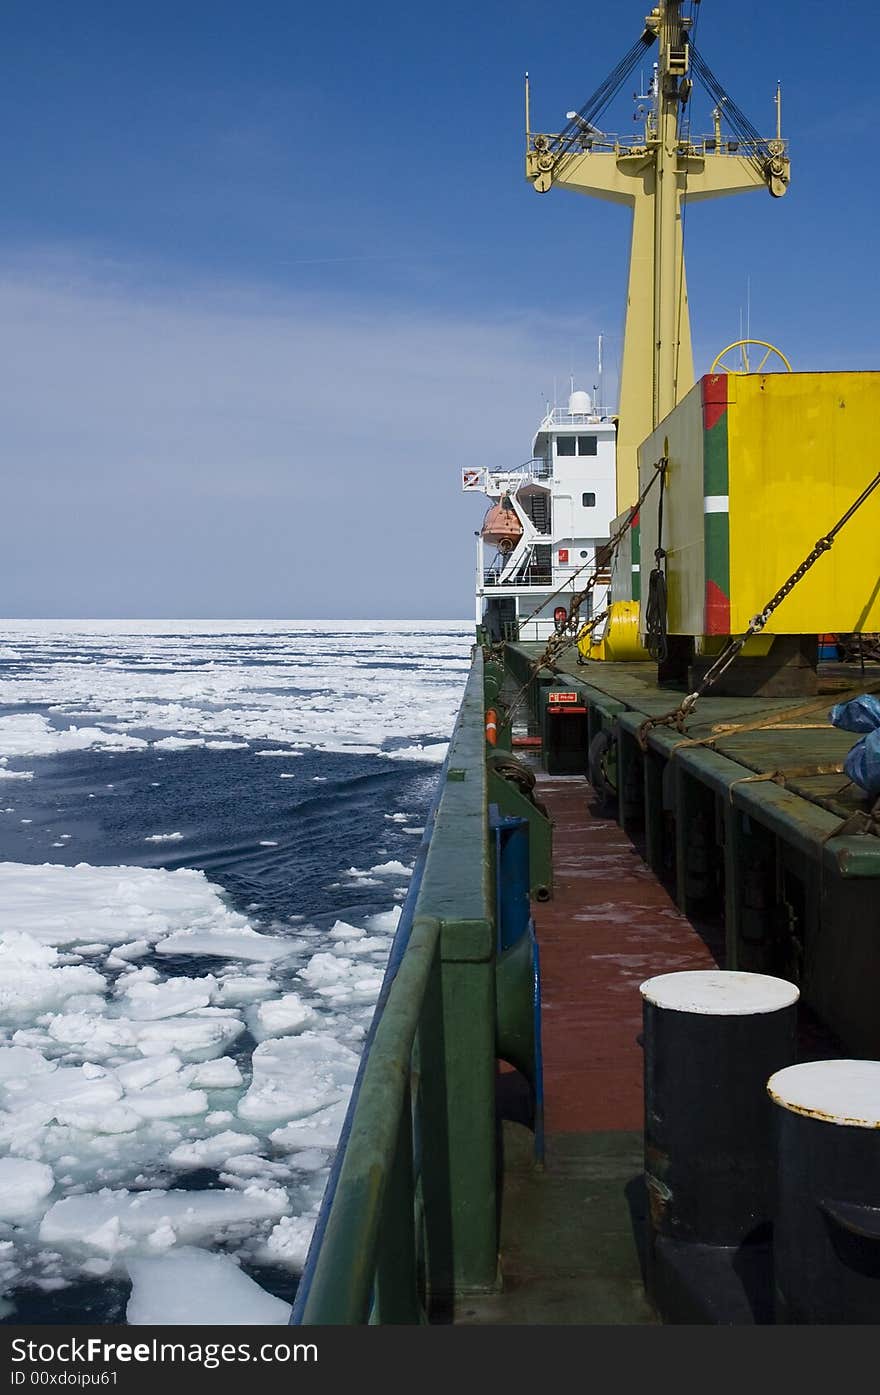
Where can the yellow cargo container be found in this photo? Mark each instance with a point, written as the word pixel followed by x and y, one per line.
pixel 760 466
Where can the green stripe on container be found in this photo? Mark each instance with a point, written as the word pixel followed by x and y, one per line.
pixel 717 535
pixel 715 473
pixel 716 526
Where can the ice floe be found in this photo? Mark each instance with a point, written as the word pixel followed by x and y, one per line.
pixel 190 1285
pixel 191 684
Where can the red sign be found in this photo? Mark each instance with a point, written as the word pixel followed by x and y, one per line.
pixel 562 697
pixel 563 555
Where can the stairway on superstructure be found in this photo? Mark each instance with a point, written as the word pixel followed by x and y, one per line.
pixel 539 512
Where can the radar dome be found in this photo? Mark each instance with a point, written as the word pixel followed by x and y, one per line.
pixel 579 404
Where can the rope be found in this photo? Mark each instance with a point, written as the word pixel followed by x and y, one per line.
pixel 655 605
pixel 679 715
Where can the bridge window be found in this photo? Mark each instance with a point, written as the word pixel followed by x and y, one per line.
pixel 565 445
pixel 587 445
pixel 589 501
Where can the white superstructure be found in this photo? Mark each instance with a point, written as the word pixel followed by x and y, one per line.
pixel 564 499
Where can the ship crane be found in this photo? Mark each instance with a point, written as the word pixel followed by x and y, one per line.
pixel 656 173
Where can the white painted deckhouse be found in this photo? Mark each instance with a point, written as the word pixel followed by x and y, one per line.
pixel 546 520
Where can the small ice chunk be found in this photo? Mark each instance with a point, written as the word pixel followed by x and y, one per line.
pixel 134 950
pixel 213 1151
pixel 164 838
pixel 243 943
pixel 220 1074
pixel 289 1242
pixel 296 1076
pixel 238 1171
pixel 193 1038
pixel 24 1185
pixel 115 1220
pixel 433 753
pixel 136 1075
pixel 319 1130
pixel 31 980
pixel 150 1002
pixel 99 1119
pixel 192 1286
pixel 36 1099
pixel 239 989
pixel 325 968
pixel 280 1017
pixel 162 1101
pixel 385 922
pixel 391 869
pixel 343 931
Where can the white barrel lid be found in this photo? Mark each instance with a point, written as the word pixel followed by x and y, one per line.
pixel 719 992
pixel 834 1092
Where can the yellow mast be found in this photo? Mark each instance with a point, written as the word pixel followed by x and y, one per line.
pixel 655 174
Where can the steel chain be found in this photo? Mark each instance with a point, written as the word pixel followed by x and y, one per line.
pixel 679 715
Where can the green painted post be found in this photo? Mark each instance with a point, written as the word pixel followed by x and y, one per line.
pixel 457 1106
pixel 396 1285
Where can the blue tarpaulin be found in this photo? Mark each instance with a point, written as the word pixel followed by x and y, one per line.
pixel 862 714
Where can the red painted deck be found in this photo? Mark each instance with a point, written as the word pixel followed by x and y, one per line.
pixel 609 926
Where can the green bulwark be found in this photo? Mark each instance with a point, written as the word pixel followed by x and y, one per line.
pixel 410 1214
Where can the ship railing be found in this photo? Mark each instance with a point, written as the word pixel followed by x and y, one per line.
pixel 538 579
pixel 409 1211
pixel 604 142
pixel 514 475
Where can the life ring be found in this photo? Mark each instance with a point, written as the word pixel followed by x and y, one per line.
pixel 469 478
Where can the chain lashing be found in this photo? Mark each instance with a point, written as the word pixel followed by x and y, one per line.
pixel 679 715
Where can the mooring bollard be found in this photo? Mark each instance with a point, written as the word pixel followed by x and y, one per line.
pixel 827 1234
pixel 711 1039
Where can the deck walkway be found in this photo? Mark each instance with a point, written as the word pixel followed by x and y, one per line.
pixel 571 1234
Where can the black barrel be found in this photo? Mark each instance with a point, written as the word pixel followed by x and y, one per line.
pixel 826 1247
pixel 711 1040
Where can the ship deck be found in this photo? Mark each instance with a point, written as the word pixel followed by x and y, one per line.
pixel 806 740
pixel 572 1231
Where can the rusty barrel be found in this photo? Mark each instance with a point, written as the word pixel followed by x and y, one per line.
pixel 712 1038
pixel 826 1246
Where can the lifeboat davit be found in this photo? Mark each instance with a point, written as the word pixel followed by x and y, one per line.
pixel 501 527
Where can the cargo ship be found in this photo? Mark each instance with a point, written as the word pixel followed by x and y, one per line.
pixel 624 1065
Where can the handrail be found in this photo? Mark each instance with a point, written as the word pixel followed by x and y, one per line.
pixel 374 1167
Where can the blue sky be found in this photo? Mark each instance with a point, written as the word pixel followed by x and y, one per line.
pixel 270 274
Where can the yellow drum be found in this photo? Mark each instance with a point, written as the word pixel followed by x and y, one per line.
pixel 620 642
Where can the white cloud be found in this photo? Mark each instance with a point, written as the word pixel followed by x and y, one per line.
pixel 230 451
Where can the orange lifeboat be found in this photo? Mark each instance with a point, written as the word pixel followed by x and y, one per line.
pixel 501 527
